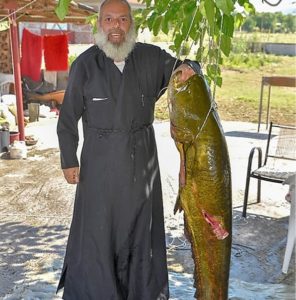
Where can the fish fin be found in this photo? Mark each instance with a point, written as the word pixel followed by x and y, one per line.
pixel 182 173
pixel 178 206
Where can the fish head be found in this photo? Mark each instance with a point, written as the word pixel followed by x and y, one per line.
pixel 189 103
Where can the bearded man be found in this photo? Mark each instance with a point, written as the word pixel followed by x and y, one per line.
pixel 116 246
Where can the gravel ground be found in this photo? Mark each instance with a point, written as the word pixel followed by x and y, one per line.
pixel 36 208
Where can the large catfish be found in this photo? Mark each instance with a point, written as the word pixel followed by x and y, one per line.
pixel 204 183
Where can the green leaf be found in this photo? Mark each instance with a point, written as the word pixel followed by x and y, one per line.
pixel 249 8
pixel 178 41
pixel 225 44
pixel 162 5
pixel 238 20
pixel 165 25
pixel 210 13
pixel 148 2
pixel 150 21
pixel 228 25
pixel 157 24
pixel 208 79
pixel 225 5
pixel 186 25
pixel 218 81
pixel 189 8
pixel 92 20
pixel 197 28
pixel 213 70
pixel 199 53
pixel 62 9
pixel 210 70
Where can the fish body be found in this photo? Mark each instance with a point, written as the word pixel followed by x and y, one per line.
pixel 204 184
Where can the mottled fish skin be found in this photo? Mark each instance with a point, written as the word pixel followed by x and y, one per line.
pixel 204 184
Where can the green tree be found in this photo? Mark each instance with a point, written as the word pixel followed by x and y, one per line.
pixel 289 23
pixel 270 22
pixel 249 24
pixel 193 22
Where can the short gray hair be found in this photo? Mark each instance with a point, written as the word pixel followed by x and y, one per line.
pixel 104 2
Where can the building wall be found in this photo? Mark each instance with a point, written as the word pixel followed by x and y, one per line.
pixel 280 49
pixel 275 48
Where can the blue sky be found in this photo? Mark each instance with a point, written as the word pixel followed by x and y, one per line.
pixel 286 6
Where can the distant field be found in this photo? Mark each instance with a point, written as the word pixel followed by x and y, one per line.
pixel 238 99
pixel 267 37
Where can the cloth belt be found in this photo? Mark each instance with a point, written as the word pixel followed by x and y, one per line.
pixel 103 132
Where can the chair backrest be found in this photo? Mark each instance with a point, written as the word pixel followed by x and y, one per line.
pixel 281 146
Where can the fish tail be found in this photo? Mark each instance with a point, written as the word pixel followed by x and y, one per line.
pixel 178 206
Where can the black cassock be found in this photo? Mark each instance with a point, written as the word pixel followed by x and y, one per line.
pixel 116 246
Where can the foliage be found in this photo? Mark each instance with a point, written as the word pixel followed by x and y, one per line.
pixel 71 58
pixel 92 21
pixel 202 23
pixel 62 8
pixel 270 22
pixel 4 25
pixel 247 60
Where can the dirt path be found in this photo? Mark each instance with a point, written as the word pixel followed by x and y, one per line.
pixel 35 212
pixel 36 208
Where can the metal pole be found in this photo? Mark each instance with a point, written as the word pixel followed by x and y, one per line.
pixel 17 73
pixel 260 104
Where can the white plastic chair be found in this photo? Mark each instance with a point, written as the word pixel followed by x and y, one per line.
pixel 291 237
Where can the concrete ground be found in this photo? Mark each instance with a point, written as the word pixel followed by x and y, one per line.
pixel 36 207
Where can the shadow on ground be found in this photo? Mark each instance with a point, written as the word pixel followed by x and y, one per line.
pixel 22 246
pixel 248 135
pixel 256 260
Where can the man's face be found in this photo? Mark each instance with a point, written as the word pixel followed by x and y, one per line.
pixel 115 21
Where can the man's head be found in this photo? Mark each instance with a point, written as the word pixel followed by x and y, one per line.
pixel 116 34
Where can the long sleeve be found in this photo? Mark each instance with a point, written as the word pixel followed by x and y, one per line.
pixel 171 63
pixel 71 111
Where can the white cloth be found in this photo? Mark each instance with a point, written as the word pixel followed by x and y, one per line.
pixel 120 65
pixel 51 77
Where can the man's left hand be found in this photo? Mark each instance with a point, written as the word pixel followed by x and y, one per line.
pixel 186 72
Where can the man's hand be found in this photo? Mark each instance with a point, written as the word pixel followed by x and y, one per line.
pixel 186 72
pixel 71 175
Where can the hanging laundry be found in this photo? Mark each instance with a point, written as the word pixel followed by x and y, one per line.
pixel 56 52
pixel 31 55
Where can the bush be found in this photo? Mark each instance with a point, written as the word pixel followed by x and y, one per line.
pixel 71 58
pixel 250 60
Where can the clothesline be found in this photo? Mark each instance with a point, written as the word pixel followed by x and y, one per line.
pixel 17 10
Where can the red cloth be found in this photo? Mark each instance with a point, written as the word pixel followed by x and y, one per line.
pixel 31 55
pixel 56 52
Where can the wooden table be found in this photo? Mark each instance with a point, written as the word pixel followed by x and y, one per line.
pixel 272 81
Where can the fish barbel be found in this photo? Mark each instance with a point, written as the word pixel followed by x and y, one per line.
pixel 204 183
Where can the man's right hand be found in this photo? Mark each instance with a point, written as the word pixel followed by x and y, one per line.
pixel 71 175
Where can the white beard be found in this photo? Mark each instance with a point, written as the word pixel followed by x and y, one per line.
pixel 116 52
